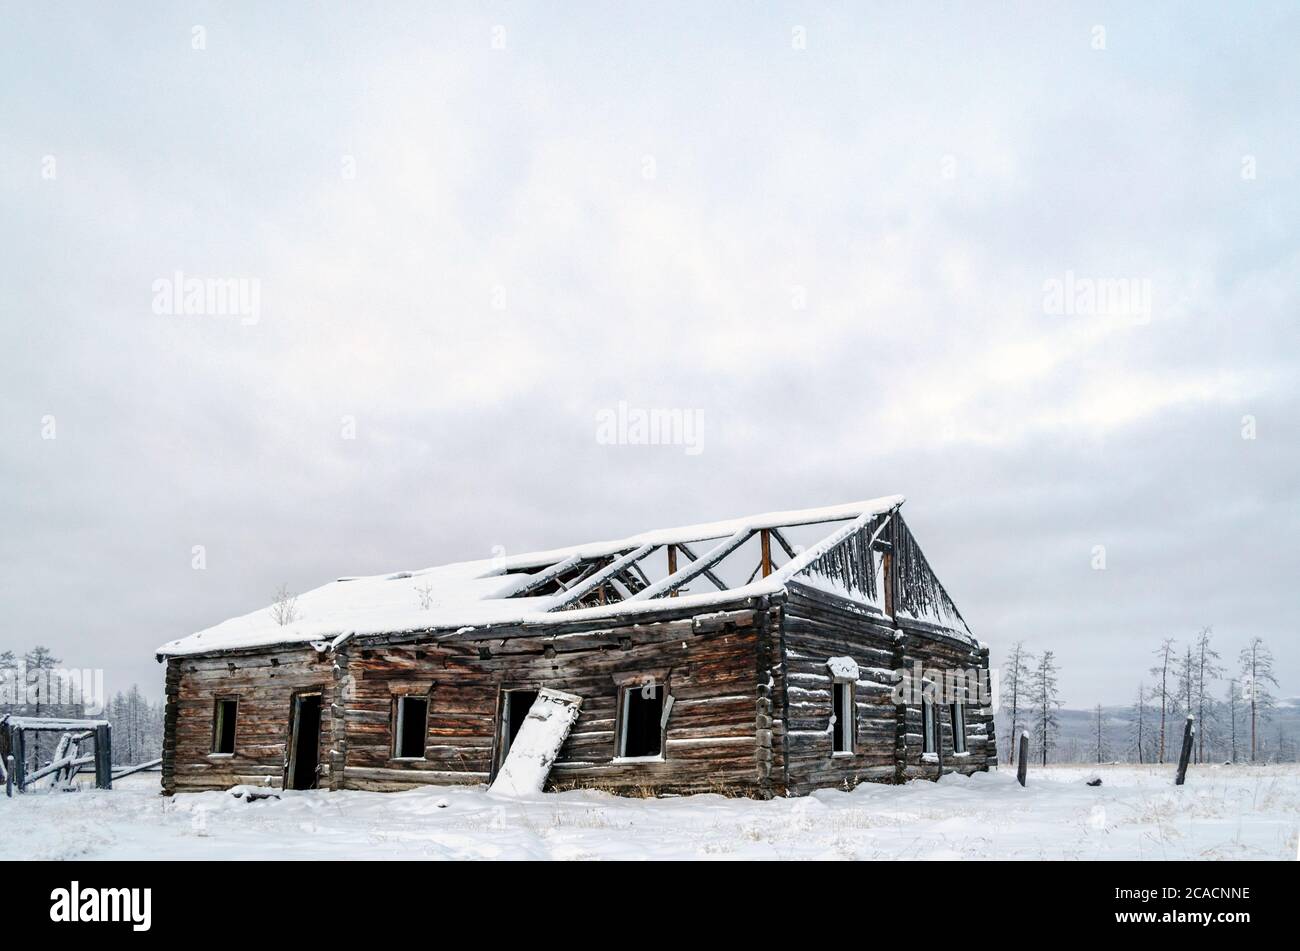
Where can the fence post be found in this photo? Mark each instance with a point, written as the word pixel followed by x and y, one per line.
pixel 1189 731
pixel 9 777
pixel 1022 768
pixel 104 756
pixel 19 772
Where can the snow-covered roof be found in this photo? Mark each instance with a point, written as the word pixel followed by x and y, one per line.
pixel 51 723
pixel 495 591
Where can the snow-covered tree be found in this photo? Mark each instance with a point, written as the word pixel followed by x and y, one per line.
pixel 1015 675
pixel 1256 674
pixel 40 658
pixel 1139 726
pixel 8 671
pixel 1102 748
pixel 1165 654
pixel 1208 669
pixel 137 727
pixel 1232 707
pixel 1044 702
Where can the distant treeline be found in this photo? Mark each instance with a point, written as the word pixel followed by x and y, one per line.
pixel 137 722
pixel 1237 716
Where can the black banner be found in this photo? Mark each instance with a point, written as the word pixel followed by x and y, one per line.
pixel 140 901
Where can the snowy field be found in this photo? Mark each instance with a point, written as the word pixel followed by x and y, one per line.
pixel 1222 813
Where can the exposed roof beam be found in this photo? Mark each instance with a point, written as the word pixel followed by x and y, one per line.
pixel 833 540
pixel 543 577
pixel 696 568
pixel 707 531
pixel 785 545
pixel 718 582
pixel 594 581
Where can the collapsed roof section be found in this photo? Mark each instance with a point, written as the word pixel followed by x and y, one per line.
pixel 861 550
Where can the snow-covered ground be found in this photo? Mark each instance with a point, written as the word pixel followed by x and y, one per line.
pixel 1222 813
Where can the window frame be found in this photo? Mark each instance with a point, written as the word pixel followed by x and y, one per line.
pixel 218 720
pixel 398 719
pixel 957 718
pixel 638 681
pixel 846 732
pixel 929 729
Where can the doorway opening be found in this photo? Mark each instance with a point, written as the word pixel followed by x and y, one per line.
pixel 515 705
pixel 304 742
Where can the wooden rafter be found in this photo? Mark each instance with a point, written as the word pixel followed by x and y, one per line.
pixel 544 577
pixel 718 582
pixel 785 545
pixel 699 566
pixel 597 580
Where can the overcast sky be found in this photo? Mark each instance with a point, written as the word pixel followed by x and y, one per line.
pixel 832 234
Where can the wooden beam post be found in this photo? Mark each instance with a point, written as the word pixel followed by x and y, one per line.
pixel 888 572
pixel 1189 731
pixel 20 753
pixel 672 566
pixel 887 568
pixel 9 777
pixel 765 538
pixel 104 756
pixel 1022 768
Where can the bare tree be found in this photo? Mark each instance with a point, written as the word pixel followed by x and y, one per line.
pixel 40 658
pixel 1164 653
pixel 285 609
pixel 425 593
pixel 1234 687
pixel 1208 669
pixel 8 670
pixel 1014 676
pixel 1137 730
pixel 1103 751
pixel 1256 675
pixel 1043 699
pixel 1185 676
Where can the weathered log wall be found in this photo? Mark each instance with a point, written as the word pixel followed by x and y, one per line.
pixel 264 682
pixel 712 740
pixel 936 651
pixel 816 626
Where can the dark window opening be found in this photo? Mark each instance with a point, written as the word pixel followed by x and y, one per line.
pixel 643 709
pixel 958 716
pixel 927 719
pixel 842 713
pixel 412 723
pixel 305 736
pixel 223 726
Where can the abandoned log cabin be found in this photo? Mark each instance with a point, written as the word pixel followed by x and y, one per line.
pixel 758 656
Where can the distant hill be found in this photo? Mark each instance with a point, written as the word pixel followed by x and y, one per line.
pixel 1077 742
